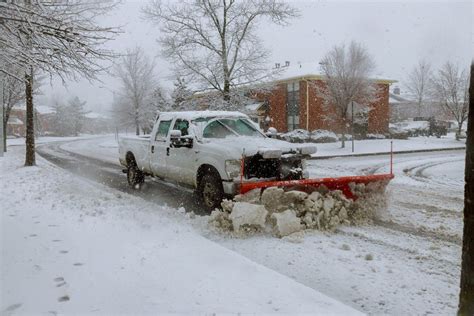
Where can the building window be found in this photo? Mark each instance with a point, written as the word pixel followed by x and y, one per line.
pixel 293 105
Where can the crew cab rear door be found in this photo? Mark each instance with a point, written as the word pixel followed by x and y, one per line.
pixel 159 147
pixel 181 160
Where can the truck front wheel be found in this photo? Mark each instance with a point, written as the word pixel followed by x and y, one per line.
pixel 211 191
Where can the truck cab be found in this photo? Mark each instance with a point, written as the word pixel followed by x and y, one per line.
pixel 207 151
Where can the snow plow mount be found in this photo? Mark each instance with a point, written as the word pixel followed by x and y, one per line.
pixel 343 184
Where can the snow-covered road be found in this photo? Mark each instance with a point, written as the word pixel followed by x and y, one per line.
pixel 414 245
pixel 72 246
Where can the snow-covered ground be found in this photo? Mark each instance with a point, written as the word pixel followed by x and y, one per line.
pixel 408 262
pixel 73 246
pixel 20 141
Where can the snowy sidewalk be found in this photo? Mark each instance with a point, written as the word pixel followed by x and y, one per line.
pixel 382 146
pixel 72 246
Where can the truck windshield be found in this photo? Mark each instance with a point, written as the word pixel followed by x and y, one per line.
pixel 222 128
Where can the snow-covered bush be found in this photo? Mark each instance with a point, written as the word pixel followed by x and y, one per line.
pixel 412 128
pixel 375 136
pixel 323 136
pixel 296 136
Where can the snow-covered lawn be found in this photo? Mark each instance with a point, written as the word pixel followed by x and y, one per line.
pixel 72 246
pixel 383 145
pixel 20 141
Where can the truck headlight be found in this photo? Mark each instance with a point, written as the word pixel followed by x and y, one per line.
pixel 232 168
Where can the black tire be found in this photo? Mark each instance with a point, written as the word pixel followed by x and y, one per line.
pixel 210 191
pixel 135 176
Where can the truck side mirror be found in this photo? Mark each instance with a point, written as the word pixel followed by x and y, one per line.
pixel 177 140
pixel 175 134
pixel 272 132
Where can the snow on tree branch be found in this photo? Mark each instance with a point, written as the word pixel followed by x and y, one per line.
pixel 450 89
pixel 213 43
pixel 58 37
pixel 346 71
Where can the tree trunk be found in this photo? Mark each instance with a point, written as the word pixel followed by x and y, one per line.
pixel 466 296
pixel 458 134
pixel 226 90
pixel 343 140
pixel 137 124
pixel 30 127
pixel 5 122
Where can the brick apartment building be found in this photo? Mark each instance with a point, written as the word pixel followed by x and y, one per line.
pixel 295 102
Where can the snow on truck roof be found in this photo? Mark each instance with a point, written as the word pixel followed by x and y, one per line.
pixel 192 115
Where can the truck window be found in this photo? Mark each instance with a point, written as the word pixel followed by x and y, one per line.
pixel 181 125
pixel 216 130
pixel 162 131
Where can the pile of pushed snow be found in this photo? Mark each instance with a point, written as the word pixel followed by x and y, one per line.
pixel 282 213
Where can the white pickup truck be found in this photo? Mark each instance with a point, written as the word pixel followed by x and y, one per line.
pixel 204 150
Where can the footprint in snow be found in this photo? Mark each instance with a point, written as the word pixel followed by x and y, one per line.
pixel 52 225
pixel 33 235
pixel 63 251
pixel 78 264
pixel 64 298
pixel 11 308
pixel 56 240
pixel 59 279
pixel 61 284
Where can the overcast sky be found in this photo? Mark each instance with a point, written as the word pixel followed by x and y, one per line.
pixel 397 34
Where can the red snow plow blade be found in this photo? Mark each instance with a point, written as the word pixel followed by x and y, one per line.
pixel 339 183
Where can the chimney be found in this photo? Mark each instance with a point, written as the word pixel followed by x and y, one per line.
pixel 396 90
pixel 287 63
pixel 277 65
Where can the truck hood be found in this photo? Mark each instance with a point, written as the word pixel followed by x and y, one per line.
pixel 267 147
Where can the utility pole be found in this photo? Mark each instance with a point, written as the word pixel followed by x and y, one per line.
pixel 466 296
pixel 352 124
pixel 2 148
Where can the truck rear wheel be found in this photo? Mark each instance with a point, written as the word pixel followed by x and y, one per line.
pixel 135 176
pixel 211 191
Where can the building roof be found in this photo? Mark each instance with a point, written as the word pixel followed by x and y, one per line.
pixel 395 98
pixel 41 109
pixel 308 71
pixel 13 120
pixel 192 115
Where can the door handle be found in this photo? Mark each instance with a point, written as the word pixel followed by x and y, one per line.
pixel 167 151
pixel 152 149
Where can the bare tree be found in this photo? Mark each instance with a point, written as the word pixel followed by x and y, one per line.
pixel 213 43
pixel 346 71
pixel 466 296
pixel 418 81
pixel 11 92
pixel 450 89
pixel 135 72
pixel 55 37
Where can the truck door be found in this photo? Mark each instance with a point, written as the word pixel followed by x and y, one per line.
pixel 181 160
pixel 159 146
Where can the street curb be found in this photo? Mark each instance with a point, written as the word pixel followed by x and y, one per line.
pixel 387 153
